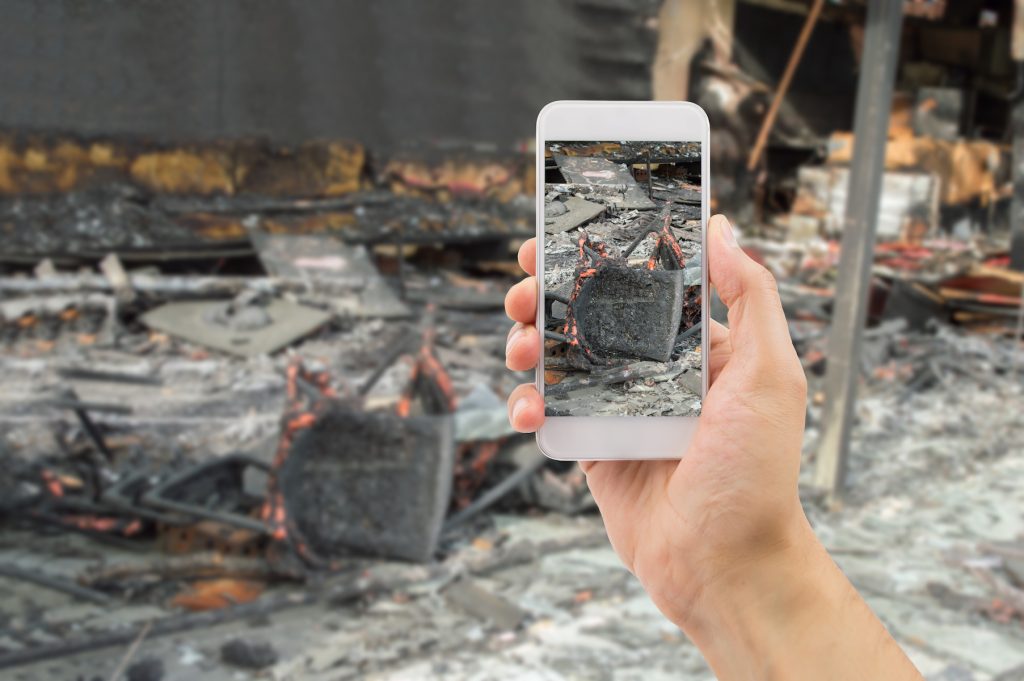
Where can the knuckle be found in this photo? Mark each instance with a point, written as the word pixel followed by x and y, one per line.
pixel 791 382
pixel 764 279
pixel 773 386
pixel 795 383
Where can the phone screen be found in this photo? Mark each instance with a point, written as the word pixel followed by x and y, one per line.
pixel 622 278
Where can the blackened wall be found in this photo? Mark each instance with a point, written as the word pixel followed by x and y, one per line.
pixel 381 72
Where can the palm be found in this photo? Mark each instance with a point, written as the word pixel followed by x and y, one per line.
pixel 718 539
pixel 682 522
pixel 635 494
pixel 713 502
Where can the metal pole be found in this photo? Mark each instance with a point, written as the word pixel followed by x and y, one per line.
pixel 871 125
pixel 1017 174
pixel 1017 132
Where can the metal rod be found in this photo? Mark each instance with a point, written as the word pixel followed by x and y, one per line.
pixel 650 180
pixel 689 332
pixel 70 400
pixel 311 391
pixel 400 258
pixel 628 372
pixel 83 374
pixel 1019 335
pixel 495 494
pixel 397 350
pixel 871 123
pixel 130 653
pixel 650 227
pixel 75 404
pixel 591 253
pixel 637 241
pixel 787 76
pixel 62 585
pixel 1017 175
pixel 94 434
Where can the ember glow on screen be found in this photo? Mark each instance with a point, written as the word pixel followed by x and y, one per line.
pixel 622 278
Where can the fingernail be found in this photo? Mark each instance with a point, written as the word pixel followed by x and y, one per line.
pixel 518 407
pixel 727 234
pixel 513 336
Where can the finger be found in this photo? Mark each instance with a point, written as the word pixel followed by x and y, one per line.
pixel 521 301
pixel 522 349
pixel 528 256
pixel 525 408
pixel 720 351
pixel 757 324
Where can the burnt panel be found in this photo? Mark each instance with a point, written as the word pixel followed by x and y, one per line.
pixel 631 312
pixel 369 483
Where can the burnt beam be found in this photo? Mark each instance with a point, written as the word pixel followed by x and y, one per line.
pixel 1017 203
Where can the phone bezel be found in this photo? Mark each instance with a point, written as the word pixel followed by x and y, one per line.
pixel 576 438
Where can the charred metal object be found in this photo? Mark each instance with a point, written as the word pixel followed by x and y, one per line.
pixel 126 494
pixel 246 326
pixel 346 481
pixel 370 483
pixel 618 311
pixel 69 400
pixel 629 312
pixel 214 490
pixel 87 374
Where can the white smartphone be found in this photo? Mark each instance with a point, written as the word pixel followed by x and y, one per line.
pixel 622 211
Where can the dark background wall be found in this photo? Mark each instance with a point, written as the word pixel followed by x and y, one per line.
pixel 384 73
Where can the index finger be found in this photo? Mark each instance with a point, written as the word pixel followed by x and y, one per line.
pixel 757 324
pixel 528 255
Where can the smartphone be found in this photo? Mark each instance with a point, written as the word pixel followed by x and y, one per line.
pixel 622 211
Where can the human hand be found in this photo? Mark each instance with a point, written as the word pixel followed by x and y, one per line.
pixel 719 539
pixel 679 525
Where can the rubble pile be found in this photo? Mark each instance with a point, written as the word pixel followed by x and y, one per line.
pixel 937 403
pixel 250 389
pixel 962 282
pixel 230 393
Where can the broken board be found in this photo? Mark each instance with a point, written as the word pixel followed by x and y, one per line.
pixel 604 173
pixel 343 274
pixel 279 323
pixel 580 211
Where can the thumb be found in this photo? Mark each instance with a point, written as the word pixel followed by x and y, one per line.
pixel 757 324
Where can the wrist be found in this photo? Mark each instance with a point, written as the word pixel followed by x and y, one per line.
pixel 792 615
pixel 746 616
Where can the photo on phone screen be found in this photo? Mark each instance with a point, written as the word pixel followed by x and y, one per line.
pixel 622 278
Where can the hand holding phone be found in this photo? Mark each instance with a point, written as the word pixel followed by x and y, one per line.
pixel 679 525
pixel 719 539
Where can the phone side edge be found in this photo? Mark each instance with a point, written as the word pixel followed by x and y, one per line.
pixel 540 143
pixel 705 278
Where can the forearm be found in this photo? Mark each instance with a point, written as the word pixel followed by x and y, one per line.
pixel 792 615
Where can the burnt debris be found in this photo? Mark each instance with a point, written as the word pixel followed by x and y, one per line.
pixel 286 369
pixel 632 292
